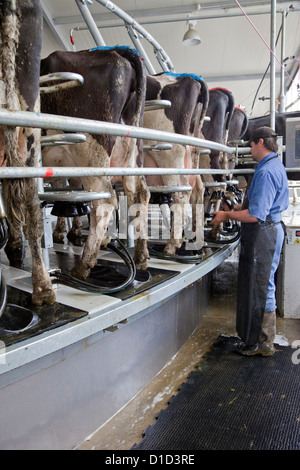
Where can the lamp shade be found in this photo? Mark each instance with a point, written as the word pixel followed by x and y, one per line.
pixel 191 37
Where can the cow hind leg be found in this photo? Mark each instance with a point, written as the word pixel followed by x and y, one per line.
pixel 177 225
pixel 23 209
pixel 197 202
pixel 33 231
pixel 32 222
pixel 138 196
pixel 100 215
pixel 99 219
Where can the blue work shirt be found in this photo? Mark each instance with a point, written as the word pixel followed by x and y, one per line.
pixel 269 192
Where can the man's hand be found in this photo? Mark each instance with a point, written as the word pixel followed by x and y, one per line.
pixel 242 216
pixel 219 217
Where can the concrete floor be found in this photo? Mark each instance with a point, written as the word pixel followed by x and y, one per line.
pixel 126 428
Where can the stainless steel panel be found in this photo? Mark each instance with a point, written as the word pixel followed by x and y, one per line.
pixel 65 398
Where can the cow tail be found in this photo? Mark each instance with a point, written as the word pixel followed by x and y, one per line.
pixel 245 125
pixel 204 100
pixel 141 89
pixel 230 108
pixel 138 64
pixel 230 111
pixel 13 189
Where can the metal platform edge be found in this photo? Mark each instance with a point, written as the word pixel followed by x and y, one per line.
pixel 37 347
pixel 71 380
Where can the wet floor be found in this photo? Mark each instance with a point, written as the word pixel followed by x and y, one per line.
pixel 126 428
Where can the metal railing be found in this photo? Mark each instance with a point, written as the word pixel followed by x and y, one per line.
pixel 134 29
pixel 68 124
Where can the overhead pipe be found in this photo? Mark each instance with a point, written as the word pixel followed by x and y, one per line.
pixel 208 13
pixel 282 87
pixel 161 55
pixel 272 64
pixel 137 44
pixel 86 14
pixel 83 7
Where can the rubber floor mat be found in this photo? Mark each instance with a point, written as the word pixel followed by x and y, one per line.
pixel 232 402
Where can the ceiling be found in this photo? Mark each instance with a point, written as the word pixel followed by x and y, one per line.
pixel 234 51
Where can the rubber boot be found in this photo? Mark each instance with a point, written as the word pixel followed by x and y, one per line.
pixel 265 345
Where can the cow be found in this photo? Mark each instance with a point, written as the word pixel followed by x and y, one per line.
pixel 188 95
pixel 220 111
pixel 237 130
pixel 238 125
pixel 21 40
pixel 113 91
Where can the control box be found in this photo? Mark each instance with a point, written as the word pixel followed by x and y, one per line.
pixel 292 152
pixel 288 274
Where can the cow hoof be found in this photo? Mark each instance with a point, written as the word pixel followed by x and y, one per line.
pixel 80 273
pixel 45 297
pixel 58 237
pixel 74 239
pixel 141 265
pixel 170 250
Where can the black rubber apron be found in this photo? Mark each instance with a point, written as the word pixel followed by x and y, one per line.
pixel 258 242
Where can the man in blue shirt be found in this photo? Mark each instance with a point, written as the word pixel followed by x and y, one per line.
pixel 262 236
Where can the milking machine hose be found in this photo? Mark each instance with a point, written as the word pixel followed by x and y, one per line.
pixel 68 280
pixel 224 242
pixel 194 258
pixel 178 258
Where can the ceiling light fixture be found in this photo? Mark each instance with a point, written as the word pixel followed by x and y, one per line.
pixel 191 37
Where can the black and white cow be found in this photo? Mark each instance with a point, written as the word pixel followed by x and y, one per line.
pixel 188 95
pixel 113 91
pixel 220 111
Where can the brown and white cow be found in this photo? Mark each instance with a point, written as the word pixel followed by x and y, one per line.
pixel 113 91
pixel 189 98
pixel 20 41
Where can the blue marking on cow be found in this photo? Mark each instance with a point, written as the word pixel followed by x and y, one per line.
pixel 198 78
pixel 108 48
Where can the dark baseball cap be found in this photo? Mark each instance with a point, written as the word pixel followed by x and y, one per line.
pixel 262 132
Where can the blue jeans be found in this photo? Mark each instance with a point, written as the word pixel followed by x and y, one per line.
pixel 271 298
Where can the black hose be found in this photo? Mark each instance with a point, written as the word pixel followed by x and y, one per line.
pixel 179 258
pixel 225 242
pixel 68 280
pixel 193 259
